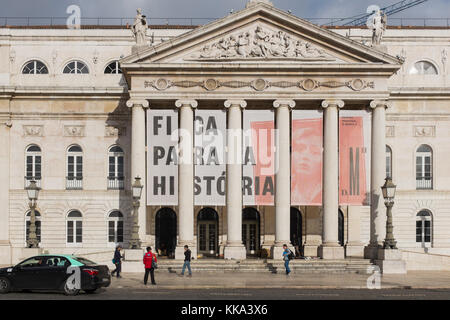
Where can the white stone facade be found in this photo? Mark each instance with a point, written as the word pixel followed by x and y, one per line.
pixel 56 110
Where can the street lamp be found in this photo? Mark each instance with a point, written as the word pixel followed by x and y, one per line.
pixel 135 243
pixel 388 190
pixel 33 192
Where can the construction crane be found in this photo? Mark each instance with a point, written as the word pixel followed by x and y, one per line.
pixel 361 19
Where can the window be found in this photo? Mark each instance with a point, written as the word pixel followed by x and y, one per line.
pixel 115 227
pixel 33 159
pixel 115 168
pixel 37 222
pixel 424 167
pixel 113 68
pixel 388 162
pixel 74 168
pixel 423 68
pixel 423 228
pixel 76 67
pixel 35 67
pixel 74 227
pixel 33 262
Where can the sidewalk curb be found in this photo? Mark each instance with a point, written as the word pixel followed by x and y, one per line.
pixel 299 287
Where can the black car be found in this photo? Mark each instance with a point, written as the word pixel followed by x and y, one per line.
pixel 66 273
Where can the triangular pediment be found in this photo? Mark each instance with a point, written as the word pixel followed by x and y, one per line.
pixel 259 34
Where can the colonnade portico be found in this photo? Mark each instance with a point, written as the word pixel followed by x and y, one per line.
pixel 234 248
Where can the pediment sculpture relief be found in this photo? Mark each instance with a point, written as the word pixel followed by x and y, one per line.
pixel 259 43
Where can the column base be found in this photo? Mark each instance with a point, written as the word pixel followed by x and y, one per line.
pixel 179 252
pixel 5 252
pixel 371 251
pixel 354 249
pixel 235 252
pixel 328 252
pixel 390 261
pixel 310 250
pixel 133 254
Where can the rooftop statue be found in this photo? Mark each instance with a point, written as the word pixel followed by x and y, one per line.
pixel 139 28
pixel 255 2
pixel 378 25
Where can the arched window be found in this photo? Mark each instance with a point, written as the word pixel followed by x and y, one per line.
pixel 35 67
pixel 74 227
pixel 422 68
pixel 76 67
pixel 33 159
pixel 115 227
pixel 74 167
pixel 424 167
pixel 37 222
pixel 424 228
pixel 113 68
pixel 388 161
pixel 115 168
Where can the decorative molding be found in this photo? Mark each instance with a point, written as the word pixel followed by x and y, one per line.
pixel 390 131
pixel 33 130
pixel 258 43
pixel 113 131
pixel 258 84
pixel 376 103
pixel 281 102
pixel 137 102
pixel 337 103
pixel 191 103
pixel 74 131
pixel 424 131
pixel 240 103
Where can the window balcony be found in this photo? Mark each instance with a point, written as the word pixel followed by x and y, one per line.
pixel 115 183
pixel 424 184
pixel 74 183
pixel 36 178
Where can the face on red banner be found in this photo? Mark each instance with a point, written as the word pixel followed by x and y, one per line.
pixel 307 161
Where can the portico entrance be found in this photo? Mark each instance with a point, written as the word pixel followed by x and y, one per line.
pixel 250 230
pixel 166 232
pixel 208 226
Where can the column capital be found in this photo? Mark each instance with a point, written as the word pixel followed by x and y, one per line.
pixel 186 102
pixel 240 103
pixel 380 103
pixel 287 103
pixel 331 103
pixel 137 102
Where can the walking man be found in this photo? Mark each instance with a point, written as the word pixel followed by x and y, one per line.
pixel 287 257
pixel 149 260
pixel 187 261
pixel 117 260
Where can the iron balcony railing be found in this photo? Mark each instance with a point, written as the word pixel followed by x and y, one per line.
pixel 28 179
pixel 115 183
pixel 74 183
pixel 424 184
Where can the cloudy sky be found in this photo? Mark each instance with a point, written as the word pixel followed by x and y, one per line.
pixel 210 8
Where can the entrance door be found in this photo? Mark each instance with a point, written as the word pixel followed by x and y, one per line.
pixel 208 222
pixel 250 230
pixel 296 231
pixel 166 232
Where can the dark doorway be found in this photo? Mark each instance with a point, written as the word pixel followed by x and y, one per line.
pixel 250 230
pixel 341 228
pixel 166 232
pixel 296 231
pixel 208 226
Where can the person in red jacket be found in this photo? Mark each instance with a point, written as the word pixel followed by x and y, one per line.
pixel 149 258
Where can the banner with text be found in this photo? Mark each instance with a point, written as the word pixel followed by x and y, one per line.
pixel 306 158
pixel 258 157
pixel 354 157
pixel 162 157
pixel 209 157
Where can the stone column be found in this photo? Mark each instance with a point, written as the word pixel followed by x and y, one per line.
pixel 186 178
pixel 330 248
pixel 354 247
pixel 282 176
pixel 138 158
pixel 5 246
pixel 234 248
pixel 377 176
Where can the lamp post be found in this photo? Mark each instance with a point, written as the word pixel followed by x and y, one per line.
pixel 388 190
pixel 135 243
pixel 33 192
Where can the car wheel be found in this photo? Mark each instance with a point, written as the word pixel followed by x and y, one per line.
pixel 90 291
pixel 5 285
pixel 70 292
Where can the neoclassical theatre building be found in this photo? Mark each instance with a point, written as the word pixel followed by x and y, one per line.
pixel 317 116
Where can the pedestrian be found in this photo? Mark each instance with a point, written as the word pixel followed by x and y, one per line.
pixel 149 263
pixel 187 261
pixel 117 260
pixel 287 256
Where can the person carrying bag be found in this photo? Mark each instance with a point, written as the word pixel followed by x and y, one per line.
pixel 150 263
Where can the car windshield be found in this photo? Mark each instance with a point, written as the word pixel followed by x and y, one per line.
pixel 85 261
